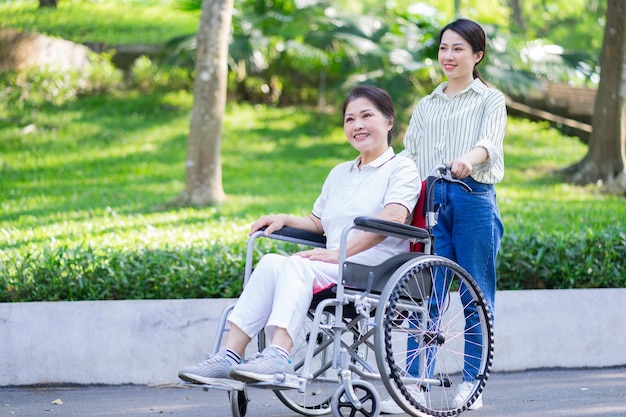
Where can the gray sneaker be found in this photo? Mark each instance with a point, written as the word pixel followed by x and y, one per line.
pixel 214 367
pixel 262 367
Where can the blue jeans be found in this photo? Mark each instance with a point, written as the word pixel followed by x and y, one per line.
pixel 469 231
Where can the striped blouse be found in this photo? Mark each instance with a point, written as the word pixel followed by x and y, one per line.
pixel 442 129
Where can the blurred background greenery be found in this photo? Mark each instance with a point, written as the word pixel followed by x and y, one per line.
pixel 88 158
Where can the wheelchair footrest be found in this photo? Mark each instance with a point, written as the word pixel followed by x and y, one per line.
pixel 281 382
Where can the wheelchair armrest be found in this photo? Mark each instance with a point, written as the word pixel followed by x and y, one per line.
pixel 286 234
pixel 300 236
pixel 389 228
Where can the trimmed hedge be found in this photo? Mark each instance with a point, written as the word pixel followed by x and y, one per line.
pixel 586 260
pixel 82 273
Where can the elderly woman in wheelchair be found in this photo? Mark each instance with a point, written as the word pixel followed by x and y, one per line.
pixel 278 296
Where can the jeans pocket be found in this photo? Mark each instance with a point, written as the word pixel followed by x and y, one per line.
pixel 477 187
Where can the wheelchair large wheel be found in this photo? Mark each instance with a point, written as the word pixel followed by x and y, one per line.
pixel 316 398
pixel 434 334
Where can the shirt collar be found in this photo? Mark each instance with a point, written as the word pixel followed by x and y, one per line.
pixel 378 162
pixel 476 85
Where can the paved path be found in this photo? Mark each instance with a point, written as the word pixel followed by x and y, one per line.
pixel 543 393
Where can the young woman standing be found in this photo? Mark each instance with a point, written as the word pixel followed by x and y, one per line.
pixel 462 124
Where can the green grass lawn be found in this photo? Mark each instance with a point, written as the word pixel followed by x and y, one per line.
pixel 113 22
pixel 534 200
pixel 80 185
pixel 92 172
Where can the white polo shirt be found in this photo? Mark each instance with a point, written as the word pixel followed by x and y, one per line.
pixel 349 192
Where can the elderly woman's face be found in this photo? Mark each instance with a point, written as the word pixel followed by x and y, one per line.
pixel 365 126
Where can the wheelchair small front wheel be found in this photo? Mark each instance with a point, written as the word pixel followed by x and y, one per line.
pixel 365 393
pixel 315 400
pixel 238 402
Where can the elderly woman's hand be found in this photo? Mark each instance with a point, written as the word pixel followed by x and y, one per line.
pixel 273 222
pixel 320 254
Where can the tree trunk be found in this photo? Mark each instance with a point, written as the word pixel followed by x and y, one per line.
pixel 47 3
pixel 517 17
pixel 606 158
pixel 203 176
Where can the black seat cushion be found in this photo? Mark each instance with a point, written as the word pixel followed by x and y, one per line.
pixel 373 278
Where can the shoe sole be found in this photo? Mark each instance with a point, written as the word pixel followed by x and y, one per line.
pixel 476 405
pixel 390 410
pixel 396 409
pixel 247 376
pixel 218 382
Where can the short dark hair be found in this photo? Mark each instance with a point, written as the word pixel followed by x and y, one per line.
pixel 473 33
pixel 379 97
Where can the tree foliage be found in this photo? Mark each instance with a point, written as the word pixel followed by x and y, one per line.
pixel 290 51
pixel 286 51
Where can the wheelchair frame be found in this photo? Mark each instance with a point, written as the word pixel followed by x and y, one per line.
pixel 424 312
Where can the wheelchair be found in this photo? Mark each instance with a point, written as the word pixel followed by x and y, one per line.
pixel 418 324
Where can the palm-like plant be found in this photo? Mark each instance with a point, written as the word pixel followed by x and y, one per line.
pixel 310 51
pixel 316 44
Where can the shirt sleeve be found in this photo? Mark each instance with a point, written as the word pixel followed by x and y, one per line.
pixel 404 184
pixel 412 136
pixel 322 200
pixel 492 134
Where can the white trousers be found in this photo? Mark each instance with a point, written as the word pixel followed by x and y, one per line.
pixel 279 293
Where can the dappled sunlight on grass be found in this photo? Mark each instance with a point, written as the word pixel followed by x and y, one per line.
pixel 100 189
pixel 534 198
pixel 94 175
pixel 533 149
pixel 115 22
pixel 107 228
pixel 557 208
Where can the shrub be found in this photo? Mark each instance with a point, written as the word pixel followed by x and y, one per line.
pixel 35 86
pixel 147 76
pixel 84 273
pixel 589 259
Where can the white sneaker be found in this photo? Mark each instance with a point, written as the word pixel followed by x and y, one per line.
pixel 262 367
pixel 389 406
pixel 463 391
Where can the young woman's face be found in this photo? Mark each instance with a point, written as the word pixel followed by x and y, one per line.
pixel 456 58
pixel 366 127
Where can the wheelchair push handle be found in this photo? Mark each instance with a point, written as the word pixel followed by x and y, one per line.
pixel 438 173
pixel 443 172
